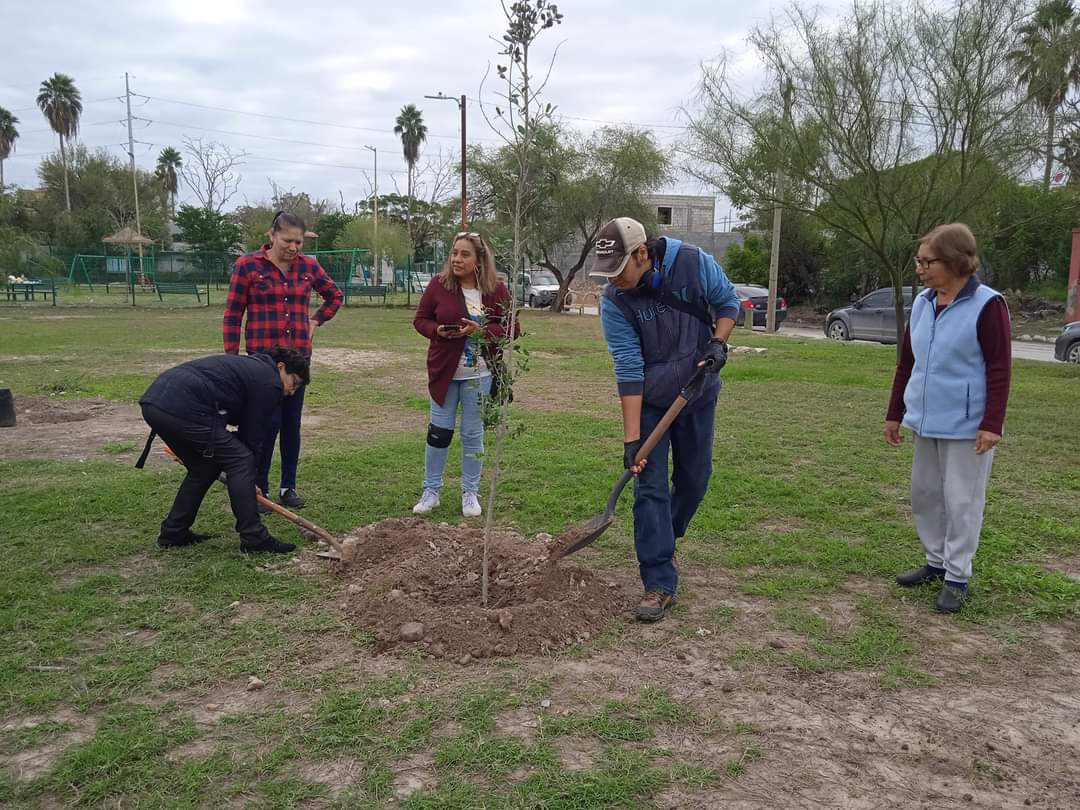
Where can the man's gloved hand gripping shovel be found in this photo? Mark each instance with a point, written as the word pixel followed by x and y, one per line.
pixel 578 537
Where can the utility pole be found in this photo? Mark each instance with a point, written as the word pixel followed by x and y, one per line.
pixel 778 208
pixel 460 101
pixel 461 105
pixel 134 177
pixel 375 205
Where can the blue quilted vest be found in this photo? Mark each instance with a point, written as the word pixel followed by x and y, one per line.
pixel 945 397
pixel 671 339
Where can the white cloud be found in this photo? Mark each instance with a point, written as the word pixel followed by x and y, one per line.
pixel 350 64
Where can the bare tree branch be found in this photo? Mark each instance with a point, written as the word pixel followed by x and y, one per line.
pixel 210 172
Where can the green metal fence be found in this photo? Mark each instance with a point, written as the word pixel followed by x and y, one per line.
pixel 194 278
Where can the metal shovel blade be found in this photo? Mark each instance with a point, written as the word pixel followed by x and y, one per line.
pixel 577 537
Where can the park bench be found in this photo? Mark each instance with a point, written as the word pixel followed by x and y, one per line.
pixel 579 301
pixel 29 290
pixel 370 291
pixel 178 288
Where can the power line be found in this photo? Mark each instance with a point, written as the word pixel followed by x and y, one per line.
pixel 639 124
pixel 257 157
pixel 24 155
pixel 250 135
pixel 291 120
pixel 81 126
pixel 91 101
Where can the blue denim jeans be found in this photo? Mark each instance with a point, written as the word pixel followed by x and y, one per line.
pixel 469 393
pixel 661 514
pixel 286 421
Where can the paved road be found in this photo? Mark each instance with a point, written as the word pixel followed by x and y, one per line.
pixel 1026 350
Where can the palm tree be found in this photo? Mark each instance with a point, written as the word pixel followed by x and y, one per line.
pixel 61 103
pixel 8 136
pixel 410 126
pixel 1047 62
pixel 168 172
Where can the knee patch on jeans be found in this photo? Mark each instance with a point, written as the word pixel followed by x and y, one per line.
pixel 439 437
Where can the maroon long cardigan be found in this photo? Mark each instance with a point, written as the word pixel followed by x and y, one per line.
pixel 440 307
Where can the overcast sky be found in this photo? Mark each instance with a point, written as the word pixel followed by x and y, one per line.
pixel 347 64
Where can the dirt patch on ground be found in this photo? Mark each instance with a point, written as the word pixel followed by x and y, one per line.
pixel 27 765
pixel 413 775
pixel 336 774
pixel 352 359
pixel 417 585
pixel 31 410
pixel 73 429
pixel 96 429
pixel 234 699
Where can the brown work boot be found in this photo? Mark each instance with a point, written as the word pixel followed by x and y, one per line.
pixel 653 606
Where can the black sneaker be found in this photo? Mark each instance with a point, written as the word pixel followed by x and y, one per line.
pixel 290 499
pixel 270 544
pixel 188 538
pixel 951 599
pixel 919 576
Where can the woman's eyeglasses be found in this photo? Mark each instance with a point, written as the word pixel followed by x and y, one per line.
pixel 925 263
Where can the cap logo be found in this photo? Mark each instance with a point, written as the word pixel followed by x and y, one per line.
pixel 604 245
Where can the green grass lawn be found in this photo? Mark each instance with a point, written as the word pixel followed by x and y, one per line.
pixel 122 668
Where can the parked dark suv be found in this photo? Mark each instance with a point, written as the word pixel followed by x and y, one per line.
pixel 1067 346
pixel 872 317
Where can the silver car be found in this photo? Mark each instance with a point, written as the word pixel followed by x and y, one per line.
pixel 872 317
pixel 540 288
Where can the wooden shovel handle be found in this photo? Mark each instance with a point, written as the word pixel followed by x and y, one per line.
pixel 318 531
pixel 303 523
pixel 672 413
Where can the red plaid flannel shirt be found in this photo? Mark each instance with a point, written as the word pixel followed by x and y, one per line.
pixel 276 303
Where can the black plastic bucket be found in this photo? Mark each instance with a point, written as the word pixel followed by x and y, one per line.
pixel 7 408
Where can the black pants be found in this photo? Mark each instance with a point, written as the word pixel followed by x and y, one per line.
pixel 189 440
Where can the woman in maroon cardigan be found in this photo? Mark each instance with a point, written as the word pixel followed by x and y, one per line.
pixel 464 313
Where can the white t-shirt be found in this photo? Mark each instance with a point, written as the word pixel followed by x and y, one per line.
pixel 471 366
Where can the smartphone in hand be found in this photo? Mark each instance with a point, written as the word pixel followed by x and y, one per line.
pixel 450 329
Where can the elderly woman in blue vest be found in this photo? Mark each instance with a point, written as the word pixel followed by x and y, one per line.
pixel 951 389
pixel 668 310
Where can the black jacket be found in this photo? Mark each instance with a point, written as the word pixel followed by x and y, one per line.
pixel 246 387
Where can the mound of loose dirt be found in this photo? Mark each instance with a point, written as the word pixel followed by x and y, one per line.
pixel 417 585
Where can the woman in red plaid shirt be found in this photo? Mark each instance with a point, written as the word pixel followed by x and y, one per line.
pixel 273 287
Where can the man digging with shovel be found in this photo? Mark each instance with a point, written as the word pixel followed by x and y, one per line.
pixel 189 407
pixel 666 314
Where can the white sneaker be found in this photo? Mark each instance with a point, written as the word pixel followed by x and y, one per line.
pixel 428 501
pixel 470 505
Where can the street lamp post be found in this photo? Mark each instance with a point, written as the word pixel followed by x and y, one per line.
pixel 375 205
pixel 461 106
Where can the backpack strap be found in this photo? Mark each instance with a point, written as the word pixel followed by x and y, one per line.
pixel 146 450
pixel 668 299
pixel 684 306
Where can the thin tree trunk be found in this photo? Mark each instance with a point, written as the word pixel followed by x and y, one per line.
pixel 1049 171
pixel 67 188
pixel 1 174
